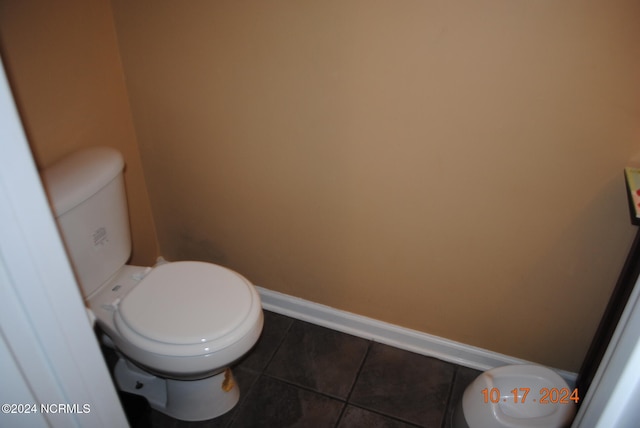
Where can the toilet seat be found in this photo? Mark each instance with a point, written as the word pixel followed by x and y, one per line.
pixel 186 309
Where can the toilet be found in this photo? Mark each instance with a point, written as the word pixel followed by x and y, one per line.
pixel 496 399
pixel 177 327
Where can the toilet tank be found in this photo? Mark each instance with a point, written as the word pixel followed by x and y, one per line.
pixel 87 196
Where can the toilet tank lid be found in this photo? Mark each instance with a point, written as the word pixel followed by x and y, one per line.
pixel 77 177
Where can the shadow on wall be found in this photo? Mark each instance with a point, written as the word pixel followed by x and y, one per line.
pixel 590 279
pixel 201 249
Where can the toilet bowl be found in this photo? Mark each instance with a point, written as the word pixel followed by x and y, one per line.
pixel 176 350
pixel 177 327
pixel 516 396
pixel 182 319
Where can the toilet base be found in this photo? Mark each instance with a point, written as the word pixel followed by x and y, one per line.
pixel 187 400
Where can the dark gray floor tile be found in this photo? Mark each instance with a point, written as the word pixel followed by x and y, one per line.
pixel 315 357
pixel 160 420
pixel 272 403
pixel 400 389
pixel 354 417
pixel 404 385
pixel 274 330
pixel 463 377
pixel 136 409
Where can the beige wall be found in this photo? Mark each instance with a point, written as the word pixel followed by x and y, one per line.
pixel 452 167
pixel 64 68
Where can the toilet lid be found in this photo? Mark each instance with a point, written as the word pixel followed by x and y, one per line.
pixel 187 303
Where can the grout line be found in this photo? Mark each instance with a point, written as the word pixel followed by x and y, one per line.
pixel 344 408
pixel 364 359
pixel 304 387
pixel 355 380
pixel 279 345
pixel 346 401
pixel 379 413
pixel 449 396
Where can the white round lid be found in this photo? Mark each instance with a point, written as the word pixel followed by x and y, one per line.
pixel 187 303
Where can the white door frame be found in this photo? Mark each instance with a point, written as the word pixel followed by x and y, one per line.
pixel 612 400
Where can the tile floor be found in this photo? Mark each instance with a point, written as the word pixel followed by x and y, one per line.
pixel 303 375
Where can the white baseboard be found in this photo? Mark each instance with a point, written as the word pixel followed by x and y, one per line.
pixel 389 334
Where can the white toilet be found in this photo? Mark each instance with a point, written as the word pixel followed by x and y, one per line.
pixel 177 326
pixel 516 396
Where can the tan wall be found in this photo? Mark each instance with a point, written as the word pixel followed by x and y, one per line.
pixel 65 71
pixel 452 167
